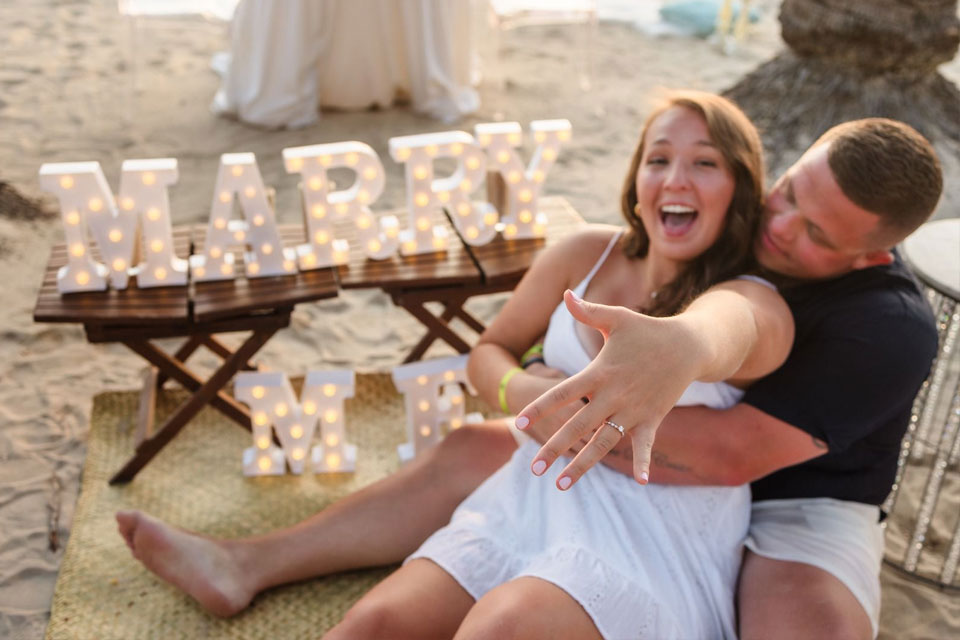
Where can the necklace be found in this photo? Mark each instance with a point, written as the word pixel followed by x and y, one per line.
pixel 643 308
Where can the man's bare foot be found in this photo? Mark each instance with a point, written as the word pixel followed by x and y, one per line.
pixel 204 569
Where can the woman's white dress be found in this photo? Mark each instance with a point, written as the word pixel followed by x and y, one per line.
pixel 643 561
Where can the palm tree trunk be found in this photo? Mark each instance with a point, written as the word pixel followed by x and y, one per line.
pixel 851 59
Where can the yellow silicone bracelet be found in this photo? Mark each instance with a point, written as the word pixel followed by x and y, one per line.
pixel 504 381
pixel 535 350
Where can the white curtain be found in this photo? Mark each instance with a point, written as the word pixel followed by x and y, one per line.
pixel 288 58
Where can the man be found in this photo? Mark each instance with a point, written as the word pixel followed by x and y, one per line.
pixel 830 420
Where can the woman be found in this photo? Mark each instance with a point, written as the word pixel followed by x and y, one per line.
pixel 695 183
pixel 608 558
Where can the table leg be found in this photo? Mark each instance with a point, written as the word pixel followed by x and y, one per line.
pixel 210 342
pixel 213 343
pixel 185 351
pixel 186 411
pixel 189 380
pixel 427 340
pixel 148 405
pixel 470 321
pixel 436 328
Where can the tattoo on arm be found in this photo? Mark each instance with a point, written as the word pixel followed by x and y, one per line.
pixel 661 459
pixel 658 458
pixel 622 460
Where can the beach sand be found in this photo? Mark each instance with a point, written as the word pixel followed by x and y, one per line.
pixel 68 93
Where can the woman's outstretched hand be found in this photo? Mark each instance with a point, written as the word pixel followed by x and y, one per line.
pixel 640 373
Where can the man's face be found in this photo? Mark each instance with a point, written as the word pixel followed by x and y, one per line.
pixel 811 230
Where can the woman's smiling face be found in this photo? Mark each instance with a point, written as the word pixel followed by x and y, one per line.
pixel 684 185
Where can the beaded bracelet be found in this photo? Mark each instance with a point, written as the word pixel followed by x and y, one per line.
pixel 504 381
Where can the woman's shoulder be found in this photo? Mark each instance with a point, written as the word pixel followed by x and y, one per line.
pixel 572 256
pixel 590 238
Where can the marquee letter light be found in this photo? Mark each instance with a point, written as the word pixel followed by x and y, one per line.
pixel 320 205
pixel 273 403
pixel 432 399
pixel 143 189
pixel 521 218
pixel 323 395
pixel 476 221
pixel 239 176
pixel 426 195
pixel 86 203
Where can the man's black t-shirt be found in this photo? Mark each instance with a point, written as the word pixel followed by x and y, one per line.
pixel 864 343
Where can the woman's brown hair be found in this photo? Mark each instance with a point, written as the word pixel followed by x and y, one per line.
pixel 732 253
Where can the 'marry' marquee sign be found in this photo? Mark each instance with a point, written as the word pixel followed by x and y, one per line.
pixel 142 208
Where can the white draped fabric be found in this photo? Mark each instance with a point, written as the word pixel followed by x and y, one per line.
pixel 288 58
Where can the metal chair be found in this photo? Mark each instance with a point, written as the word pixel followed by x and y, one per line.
pixel 923 527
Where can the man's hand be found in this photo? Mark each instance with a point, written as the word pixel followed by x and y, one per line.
pixel 619 391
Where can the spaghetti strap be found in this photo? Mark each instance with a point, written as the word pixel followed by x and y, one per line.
pixel 599 263
pixel 758 280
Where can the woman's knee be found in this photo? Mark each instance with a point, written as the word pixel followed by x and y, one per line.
pixel 527 608
pixel 474 451
pixel 372 618
pixel 499 615
pixel 361 621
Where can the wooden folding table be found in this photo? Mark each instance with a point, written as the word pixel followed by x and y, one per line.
pixel 199 312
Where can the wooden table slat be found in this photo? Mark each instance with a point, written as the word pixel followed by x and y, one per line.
pixel 226 298
pixel 154 305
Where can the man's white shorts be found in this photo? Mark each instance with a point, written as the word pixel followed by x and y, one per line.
pixel 843 538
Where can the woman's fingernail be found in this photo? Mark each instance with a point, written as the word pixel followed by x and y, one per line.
pixel 564 482
pixel 522 422
pixel 573 294
pixel 644 477
pixel 539 467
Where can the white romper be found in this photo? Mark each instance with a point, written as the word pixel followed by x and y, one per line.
pixel 649 561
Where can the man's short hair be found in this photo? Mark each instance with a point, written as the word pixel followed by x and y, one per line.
pixel 887 168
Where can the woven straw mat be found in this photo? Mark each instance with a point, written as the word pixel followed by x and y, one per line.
pixel 196 483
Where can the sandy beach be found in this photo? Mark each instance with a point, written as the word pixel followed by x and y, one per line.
pixel 73 88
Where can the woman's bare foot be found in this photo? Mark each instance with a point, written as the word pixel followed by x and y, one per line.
pixel 204 569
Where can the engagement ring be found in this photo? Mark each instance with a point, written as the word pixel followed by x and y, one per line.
pixel 614 425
